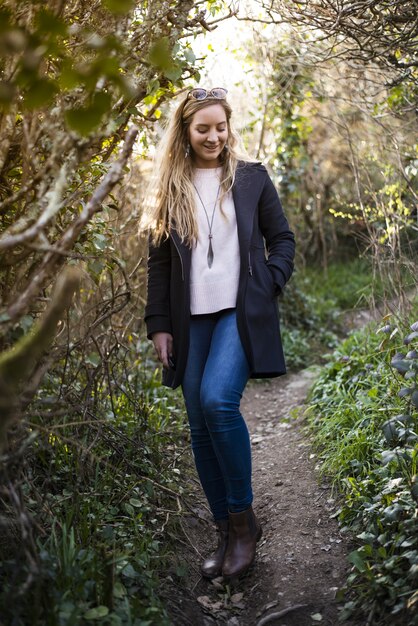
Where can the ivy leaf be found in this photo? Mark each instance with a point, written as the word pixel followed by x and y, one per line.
pixel 119 590
pixel 400 364
pixel 367 537
pixel 410 337
pixel 392 513
pixel 356 558
pixel 96 613
pixel 388 456
pixel 390 430
pixel 130 572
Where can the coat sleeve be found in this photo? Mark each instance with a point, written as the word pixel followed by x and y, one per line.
pixel 157 309
pixel 280 240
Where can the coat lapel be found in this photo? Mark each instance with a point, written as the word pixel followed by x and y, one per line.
pixel 245 193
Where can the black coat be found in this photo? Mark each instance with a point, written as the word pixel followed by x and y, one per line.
pixel 262 228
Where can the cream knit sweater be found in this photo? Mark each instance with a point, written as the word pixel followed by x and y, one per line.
pixel 215 288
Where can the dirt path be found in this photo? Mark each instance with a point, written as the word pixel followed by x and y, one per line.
pixel 301 559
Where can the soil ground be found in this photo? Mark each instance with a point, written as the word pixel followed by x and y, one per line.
pixel 302 557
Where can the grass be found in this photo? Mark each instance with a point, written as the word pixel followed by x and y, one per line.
pixel 314 305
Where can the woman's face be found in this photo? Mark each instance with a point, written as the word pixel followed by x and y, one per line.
pixel 208 134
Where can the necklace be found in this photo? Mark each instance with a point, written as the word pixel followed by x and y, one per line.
pixel 210 224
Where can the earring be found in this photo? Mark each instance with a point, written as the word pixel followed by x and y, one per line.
pixel 226 147
pixel 187 153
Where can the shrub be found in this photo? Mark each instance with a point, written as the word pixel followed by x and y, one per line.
pixel 364 419
pixel 92 491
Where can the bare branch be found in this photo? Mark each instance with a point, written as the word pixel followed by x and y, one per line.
pixel 51 259
pixel 384 32
pixel 54 204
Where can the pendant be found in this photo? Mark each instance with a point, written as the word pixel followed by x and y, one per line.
pixel 210 252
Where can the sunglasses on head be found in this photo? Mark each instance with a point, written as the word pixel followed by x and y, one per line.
pixel 219 93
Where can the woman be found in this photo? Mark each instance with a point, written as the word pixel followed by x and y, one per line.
pixel 211 310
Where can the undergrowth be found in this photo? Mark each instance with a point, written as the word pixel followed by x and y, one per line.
pixel 364 419
pixel 315 304
pixel 92 490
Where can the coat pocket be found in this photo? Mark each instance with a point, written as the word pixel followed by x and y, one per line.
pixel 263 278
pixel 270 279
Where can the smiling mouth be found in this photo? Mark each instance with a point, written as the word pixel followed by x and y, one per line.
pixel 212 148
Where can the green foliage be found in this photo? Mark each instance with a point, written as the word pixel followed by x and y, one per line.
pixel 343 286
pixel 103 70
pixel 314 305
pixel 119 6
pixel 387 206
pixel 101 488
pixel 320 127
pixel 364 419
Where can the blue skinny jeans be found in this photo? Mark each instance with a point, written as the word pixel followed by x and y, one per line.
pixel 216 373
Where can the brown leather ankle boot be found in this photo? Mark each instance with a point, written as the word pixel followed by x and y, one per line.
pixel 212 566
pixel 244 532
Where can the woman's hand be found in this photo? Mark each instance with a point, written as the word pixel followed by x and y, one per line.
pixel 163 344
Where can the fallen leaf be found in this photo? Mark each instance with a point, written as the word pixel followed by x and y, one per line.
pixel 237 597
pixel 204 601
pixel 209 605
pixel 217 583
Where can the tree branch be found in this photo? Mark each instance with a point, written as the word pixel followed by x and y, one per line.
pixel 17 363
pixel 52 259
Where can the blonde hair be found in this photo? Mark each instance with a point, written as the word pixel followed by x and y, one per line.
pixel 174 194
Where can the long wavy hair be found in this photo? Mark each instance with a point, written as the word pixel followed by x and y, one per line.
pixel 174 194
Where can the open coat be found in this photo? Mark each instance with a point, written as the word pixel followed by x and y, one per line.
pixel 267 248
